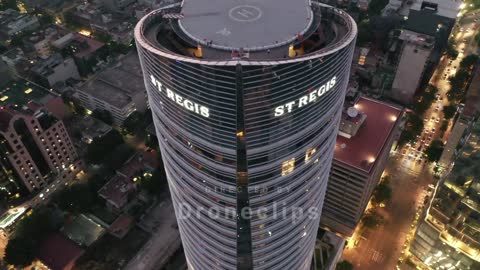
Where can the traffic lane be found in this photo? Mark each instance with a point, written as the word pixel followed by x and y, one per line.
pixel 382 247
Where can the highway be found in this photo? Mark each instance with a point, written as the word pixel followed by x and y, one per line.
pixel 410 175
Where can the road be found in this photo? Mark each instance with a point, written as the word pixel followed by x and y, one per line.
pixel 410 175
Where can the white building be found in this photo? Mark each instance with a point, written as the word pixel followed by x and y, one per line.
pixel 119 90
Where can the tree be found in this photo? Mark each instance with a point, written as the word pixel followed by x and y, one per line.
pixel 375 7
pixel 8 4
pixel 155 184
pixel 469 61
pixel 19 252
pixel 118 156
pixel 365 33
pixel 458 83
pixel 413 128
pixel 132 122
pixel 371 219
pixel 460 180
pixel 100 147
pixel 434 150
pixel 444 126
pixel 424 99
pixel 344 265
pixel 77 198
pixel 449 111
pixel 451 51
pixel 382 193
pixel 30 231
pixel 103 115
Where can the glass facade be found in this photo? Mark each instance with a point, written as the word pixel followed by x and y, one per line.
pixel 255 135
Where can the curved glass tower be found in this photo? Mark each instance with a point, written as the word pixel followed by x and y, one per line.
pixel 246 97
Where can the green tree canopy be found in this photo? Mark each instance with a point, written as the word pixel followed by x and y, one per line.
pixel 344 265
pixel 365 33
pixel 132 122
pixel 101 147
pixel 375 7
pixel 449 111
pixel 451 50
pixel 434 150
pixel 371 219
pixel 469 61
pixel 19 252
pixel 29 232
pixel 382 193
pixel 76 198
pixel 8 4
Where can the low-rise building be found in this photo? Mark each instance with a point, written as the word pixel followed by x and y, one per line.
pixel 367 131
pixel 119 90
pixel 414 56
pixel 54 70
pixel 13 22
pixel 118 191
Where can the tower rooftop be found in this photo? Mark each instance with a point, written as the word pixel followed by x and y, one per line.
pixel 251 25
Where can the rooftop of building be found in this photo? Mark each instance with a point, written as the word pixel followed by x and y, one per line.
pixel 445 8
pixel 243 24
pixel 119 187
pixel 121 225
pixel 362 150
pixel 427 22
pixel 83 230
pixel 116 86
pixel 58 252
pixel 117 190
pixel 246 30
pixel 10 19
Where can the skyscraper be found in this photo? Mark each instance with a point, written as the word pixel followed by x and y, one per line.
pixel 246 99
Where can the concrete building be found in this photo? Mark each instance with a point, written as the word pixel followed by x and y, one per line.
pixel 55 69
pixel 13 22
pixel 415 52
pixel 36 149
pixel 447 236
pixel 246 104
pixel 119 90
pixel 367 132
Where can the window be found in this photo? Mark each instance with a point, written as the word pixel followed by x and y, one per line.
pixel 288 166
pixel 309 154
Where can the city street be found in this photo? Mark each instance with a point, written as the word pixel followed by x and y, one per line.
pixel 410 175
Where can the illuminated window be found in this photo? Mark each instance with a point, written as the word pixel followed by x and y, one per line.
pixel 28 91
pixel 361 60
pixel 4 98
pixel 309 154
pixel 288 166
